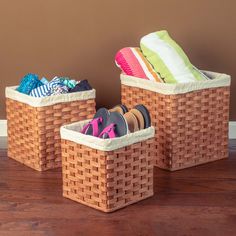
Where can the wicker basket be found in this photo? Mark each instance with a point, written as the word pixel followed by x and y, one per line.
pixel 106 174
pixel 34 125
pixel 191 120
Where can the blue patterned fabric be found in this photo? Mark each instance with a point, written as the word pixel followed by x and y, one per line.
pixel 59 89
pixel 28 83
pixel 31 85
pixel 50 88
pixel 70 83
pixel 44 80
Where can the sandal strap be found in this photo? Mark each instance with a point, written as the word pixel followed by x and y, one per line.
pixel 109 130
pixel 94 123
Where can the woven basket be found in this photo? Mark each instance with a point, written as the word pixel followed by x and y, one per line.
pixel 191 120
pixel 34 125
pixel 106 174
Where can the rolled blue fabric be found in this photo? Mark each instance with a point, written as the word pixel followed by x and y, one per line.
pixel 44 80
pixel 58 85
pixel 28 83
pixel 41 91
pixel 70 83
pixel 47 89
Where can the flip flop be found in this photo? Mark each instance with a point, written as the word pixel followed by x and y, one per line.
pixel 139 117
pixel 131 121
pixel 116 126
pixel 146 115
pixel 97 124
pixel 122 109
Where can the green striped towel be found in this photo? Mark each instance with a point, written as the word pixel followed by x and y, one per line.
pixel 168 58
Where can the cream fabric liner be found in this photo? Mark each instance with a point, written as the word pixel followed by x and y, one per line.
pixel 72 132
pixel 49 100
pixel 217 80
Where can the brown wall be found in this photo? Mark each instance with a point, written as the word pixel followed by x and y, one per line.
pixel 80 38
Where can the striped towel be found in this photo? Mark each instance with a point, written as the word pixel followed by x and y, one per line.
pixel 132 62
pixel 168 58
pixel 46 89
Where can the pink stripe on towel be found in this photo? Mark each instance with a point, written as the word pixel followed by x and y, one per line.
pixel 132 62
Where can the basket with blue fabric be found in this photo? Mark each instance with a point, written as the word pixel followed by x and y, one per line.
pixel 35 112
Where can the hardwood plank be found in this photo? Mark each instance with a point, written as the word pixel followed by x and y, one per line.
pixel 195 201
pixel 3 142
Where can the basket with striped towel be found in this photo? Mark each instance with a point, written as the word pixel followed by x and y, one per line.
pixel 33 124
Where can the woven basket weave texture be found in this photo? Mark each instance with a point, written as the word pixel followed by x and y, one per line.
pixel 33 132
pixel 191 128
pixel 107 180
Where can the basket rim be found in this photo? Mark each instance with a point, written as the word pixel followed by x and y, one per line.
pixel 10 92
pixel 72 133
pixel 217 80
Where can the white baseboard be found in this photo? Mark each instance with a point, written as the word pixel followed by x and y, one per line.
pixel 3 130
pixel 232 130
pixel 3 134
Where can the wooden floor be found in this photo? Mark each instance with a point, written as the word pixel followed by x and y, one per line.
pixel 195 201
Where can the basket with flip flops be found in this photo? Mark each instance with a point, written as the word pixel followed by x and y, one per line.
pixel 107 162
pixel 34 124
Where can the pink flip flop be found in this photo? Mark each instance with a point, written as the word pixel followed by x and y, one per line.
pixel 116 126
pixel 108 132
pixel 97 124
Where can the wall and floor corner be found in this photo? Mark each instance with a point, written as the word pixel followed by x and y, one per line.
pixel 3 132
pixel 80 39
